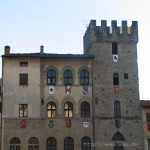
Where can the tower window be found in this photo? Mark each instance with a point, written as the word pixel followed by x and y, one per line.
pixel 116 79
pixel 114 48
pixel 117 112
pixel 125 75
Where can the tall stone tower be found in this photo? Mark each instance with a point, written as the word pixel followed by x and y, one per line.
pixel 117 116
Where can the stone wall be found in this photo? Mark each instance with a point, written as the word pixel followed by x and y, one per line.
pixel 39 128
pixel 37 122
pixel 99 43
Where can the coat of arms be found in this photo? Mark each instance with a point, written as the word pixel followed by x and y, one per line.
pixel 51 123
pixel 51 89
pixel 23 123
pixel 68 123
pixel 68 89
pixel 115 58
pixel 85 90
pixel 85 123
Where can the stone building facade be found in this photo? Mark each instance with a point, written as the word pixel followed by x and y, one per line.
pixel 145 107
pixel 0 111
pixel 84 101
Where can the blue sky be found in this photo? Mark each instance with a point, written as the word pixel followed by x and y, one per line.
pixel 60 25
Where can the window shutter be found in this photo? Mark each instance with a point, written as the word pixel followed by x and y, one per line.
pixel 23 79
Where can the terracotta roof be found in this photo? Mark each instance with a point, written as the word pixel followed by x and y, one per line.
pixel 49 55
pixel 145 103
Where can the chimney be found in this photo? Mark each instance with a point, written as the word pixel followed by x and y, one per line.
pixel 41 49
pixel 7 50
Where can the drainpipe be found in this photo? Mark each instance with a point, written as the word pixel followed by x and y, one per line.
pixel 93 108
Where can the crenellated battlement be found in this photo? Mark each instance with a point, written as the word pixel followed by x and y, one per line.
pixel 111 33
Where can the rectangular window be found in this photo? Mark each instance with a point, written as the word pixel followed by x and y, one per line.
pixel 30 148
pixel 148 117
pixel 125 75
pixel 116 79
pixel 68 81
pixel 36 147
pixel 148 144
pixel 17 147
pixel 23 63
pixel 114 48
pixel 117 112
pixel 23 110
pixel 12 147
pixel 23 79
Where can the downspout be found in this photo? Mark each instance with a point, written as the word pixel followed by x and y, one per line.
pixel 93 107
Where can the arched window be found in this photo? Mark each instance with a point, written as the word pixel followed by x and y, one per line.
pixel 68 79
pixel 33 143
pixel 51 143
pixel 118 137
pixel 84 77
pixel 68 109
pixel 117 112
pixel 116 79
pixel 86 143
pixel 15 144
pixel 51 109
pixel 51 77
pixel 85 110
pixel 68 143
